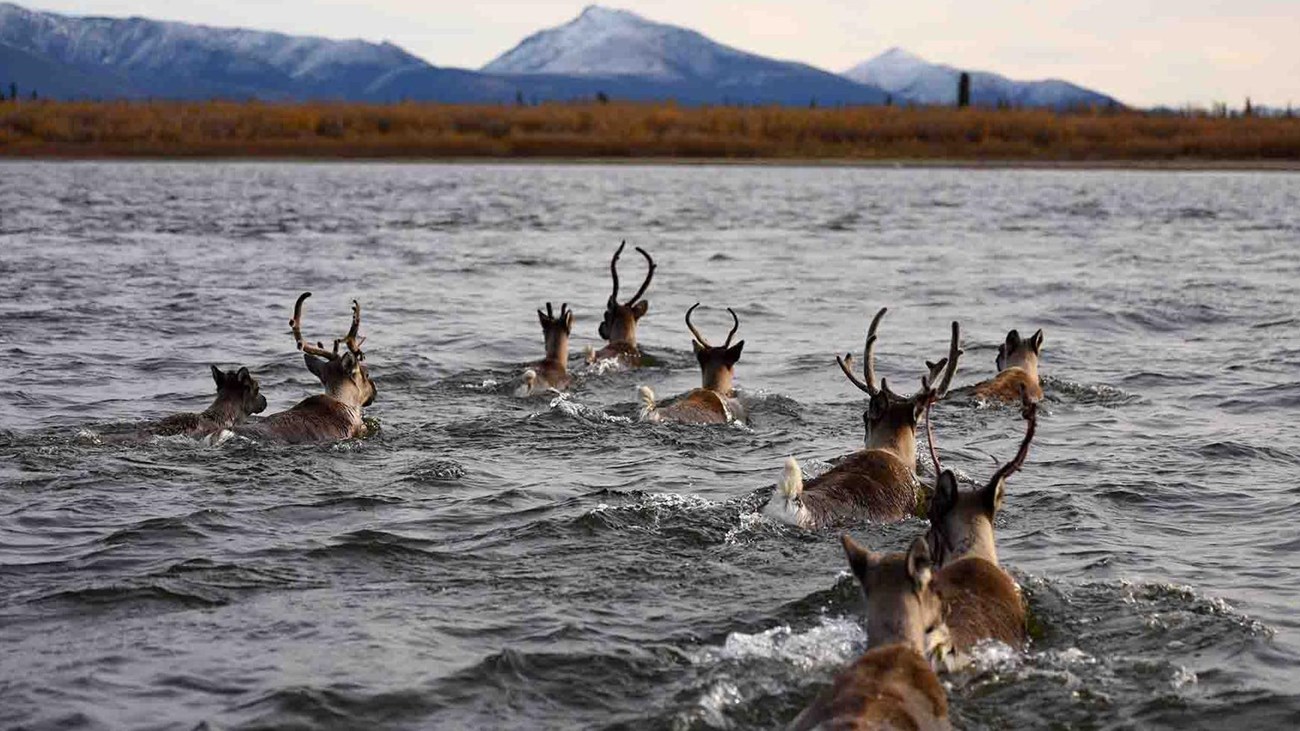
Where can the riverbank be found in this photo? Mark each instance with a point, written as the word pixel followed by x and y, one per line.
pixel 641 132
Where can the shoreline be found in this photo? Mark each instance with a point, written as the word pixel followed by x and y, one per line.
pixel 1181 165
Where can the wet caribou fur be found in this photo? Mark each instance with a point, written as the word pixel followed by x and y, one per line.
pixel 891 686
pixel 714 402
pixel 1017 364
pixel 981 600
pixel 618 328
pixel 238 397
pixel 335 414
pixel 877 483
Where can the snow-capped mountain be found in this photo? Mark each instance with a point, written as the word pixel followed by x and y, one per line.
pixel 911 78
pixel 148 57
pixel 621 46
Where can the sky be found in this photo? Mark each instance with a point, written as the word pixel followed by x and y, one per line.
pixel 1144 52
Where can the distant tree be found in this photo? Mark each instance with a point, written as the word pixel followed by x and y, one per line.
pixel 519 97
pixel 1289 113
pixel 2 96
pixel 963 90
pixel 34 96
pixel 1250 110
pixel 602 97
pixel 889 100
pixel 812 103
pixel 13 91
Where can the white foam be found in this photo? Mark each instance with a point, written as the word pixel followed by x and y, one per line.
pixel 828 645
pixel 565 404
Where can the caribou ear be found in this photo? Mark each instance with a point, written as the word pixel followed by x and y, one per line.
pixel 218 376
pixel 639 309
pixel 919 565
pixel 877 407
pixel 733 353
pixel 860 558
pixel 992 494
pixel 1013 341
pixel 348 362
pixel 315 365
pixel 603 330
pixel 945 496
pixel 1036 342
pixel 245 378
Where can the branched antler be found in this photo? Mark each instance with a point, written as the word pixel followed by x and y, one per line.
pixel 868 358
pixel 351 339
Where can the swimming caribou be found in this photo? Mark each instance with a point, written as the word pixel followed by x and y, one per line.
pixel 335 414
pixel 553 372
pixel 981 600
pixel 878 482
pixel 618 328
pixel 238 396
pixel 714 402
pixel 892 686
pixel 1017 364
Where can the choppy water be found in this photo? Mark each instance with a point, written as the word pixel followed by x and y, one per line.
pixel 492 562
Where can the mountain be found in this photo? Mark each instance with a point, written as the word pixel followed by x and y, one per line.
pixel 631 57
pixel 137 57
pixel 602 51
pixel 911 78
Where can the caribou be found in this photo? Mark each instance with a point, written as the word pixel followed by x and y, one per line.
pixel 714 402
pixel 618 328
pixel 980 599
pixel 238 397
pixel 879 482
pixel 335 414
pixel 1017 364
pixel 892 686
pixel 552 373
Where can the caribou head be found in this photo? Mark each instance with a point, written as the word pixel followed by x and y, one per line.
pixel 961 523
pixel 344 375
pixel 891 418
pixel 555 331
pixel 717 363
pixel 1017 352
pixel 901 604
pixel 619 324
pixel 238 395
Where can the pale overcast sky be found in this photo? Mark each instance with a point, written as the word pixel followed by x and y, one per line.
pixel 1144 52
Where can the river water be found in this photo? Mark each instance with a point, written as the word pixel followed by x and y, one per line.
pixel 487 561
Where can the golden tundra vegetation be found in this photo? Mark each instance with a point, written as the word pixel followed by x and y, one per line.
pixel 630 130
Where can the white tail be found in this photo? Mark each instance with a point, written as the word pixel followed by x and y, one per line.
pixel 785 504
pixel 589 354
pixel 647 404
pixel 530 382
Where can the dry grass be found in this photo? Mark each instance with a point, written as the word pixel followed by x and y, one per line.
pixel 322 130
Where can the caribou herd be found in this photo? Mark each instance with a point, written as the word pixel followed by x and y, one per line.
pixel 926 607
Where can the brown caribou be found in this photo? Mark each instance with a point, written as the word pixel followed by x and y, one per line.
pixel 238 397
pixel 892 686
pixel 335 414
pixel 981 600
pixel 715 401
pixel 618 328
pixel 1017 364
pixel 879 482
pixel 553 372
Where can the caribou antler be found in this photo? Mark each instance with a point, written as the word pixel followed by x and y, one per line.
pixel 549 316
pixel 698 336
pixel 1029 410
pixel 868 357
pixel 353 342
pixel 613 270
pixel 650 273
pixel 295 324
